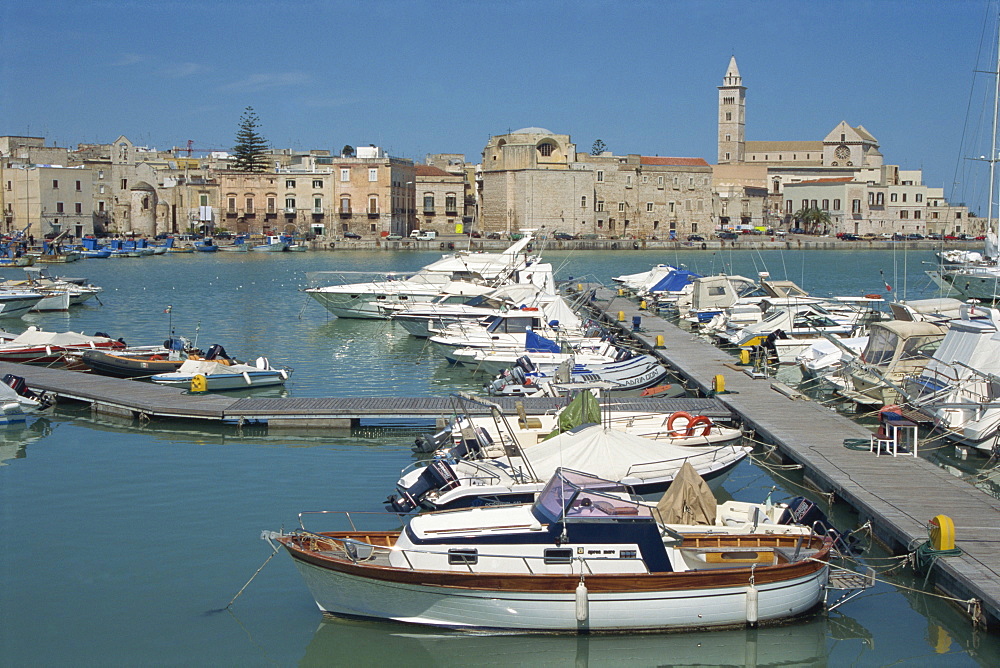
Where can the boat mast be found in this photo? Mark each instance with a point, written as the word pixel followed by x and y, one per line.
pixel 993 145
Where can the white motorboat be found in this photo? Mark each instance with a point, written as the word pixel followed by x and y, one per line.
pixel 224 375
pixel 628 372
pixel 958 387
pixel 645 465
pixel 34 346
pixel 379 299
pixel 15 303
pixel 270 244
pixel 583 557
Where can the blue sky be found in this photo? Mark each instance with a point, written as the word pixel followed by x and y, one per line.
pixel 427 77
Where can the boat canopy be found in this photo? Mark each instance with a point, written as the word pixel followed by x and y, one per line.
pixel 675 281
pixel 536 343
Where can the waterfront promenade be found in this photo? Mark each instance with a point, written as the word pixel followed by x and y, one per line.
pixel 897 494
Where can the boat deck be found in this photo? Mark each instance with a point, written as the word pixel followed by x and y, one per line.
pixel 898 494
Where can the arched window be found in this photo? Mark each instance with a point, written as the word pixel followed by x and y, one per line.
pixel 345 204
pixel 546 149
pixel 583 202
pixel 428 202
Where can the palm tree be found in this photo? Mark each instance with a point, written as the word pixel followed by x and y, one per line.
pixel 812 219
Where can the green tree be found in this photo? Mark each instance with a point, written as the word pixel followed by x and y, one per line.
pixel 250 152
pixel 812 219
pixel 348 151
pixel 598 148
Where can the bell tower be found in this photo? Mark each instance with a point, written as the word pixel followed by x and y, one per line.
pixel 732 116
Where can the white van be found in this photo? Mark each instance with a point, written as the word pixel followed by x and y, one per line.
pixel 423 235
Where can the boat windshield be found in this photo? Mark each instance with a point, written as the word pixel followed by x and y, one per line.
pixel 514 324
pixel 881 346
pixel 572 494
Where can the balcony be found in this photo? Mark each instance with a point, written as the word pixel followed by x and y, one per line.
pixel 429 212
pixel 249 215
pixel 231 213
pixel 373 214
pixel 290 211
pixel 451 213
pixel 345 214
pixel 317 212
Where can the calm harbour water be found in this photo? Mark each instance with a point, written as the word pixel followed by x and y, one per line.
pixel 119 542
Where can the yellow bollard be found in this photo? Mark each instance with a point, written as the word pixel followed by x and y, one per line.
pixel 659 341
pixel 579 287
pixel 745 356
pixel 621 292
pixel 642 305
pixel 199 383
pixel 621 316
pixel 942 533
pixel 719 384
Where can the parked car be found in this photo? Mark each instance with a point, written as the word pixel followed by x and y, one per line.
pixel 695 237
pixel 981 238
pixel 351 235
pixel 563 236
pixel 847 236
pixel 950 237
pixel 475 235
pixel 493 235
pixel 728 235
pixel 935 236
pixel 913 236
pixel 394 237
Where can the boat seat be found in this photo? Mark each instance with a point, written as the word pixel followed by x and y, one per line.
pixel 611 509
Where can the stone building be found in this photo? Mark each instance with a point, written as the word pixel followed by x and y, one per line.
pixel 440 199
pixel 370 194
pixel 45 200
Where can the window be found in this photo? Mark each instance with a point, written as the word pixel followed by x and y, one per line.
pixel 373 204
pixel 317 205
pixel 232 204
pixel 78 188
pixel 373 174
pixel 916 214
pixel 670 208
pixel 100 206
pixel 290 204
pixel 958 215
pixel 249 205
pixel 788 206
pixel 659 181
pixel 9 185
pixel 904 214
pixel 317 183
pixel 836 205
pixel 812 203
pixel 59 207
pixel 79 207
pixel 916 198
pixel 463 556
pixel 203 200
pixel 345 204
pixel 729 137
pixel 805 204
pixel 428 203
pixel 345 174
pixel 676 181
pixel 600 175
pixel 546 149
pixel 855 206
pixel 826 205
pixel 450 203
pixel 55 184
pixel 904 197
pixel 289 183
pixel 583 202
pixel 100 189
pixel 600 205
pixel 727 155
pixel 271 203
pixel 100 173
pixel 621 206
pixel 645 179
pixel 729 117
pixel 649 206
pixel 124 184
pixel 871 199
pixel 893 197
pixel 558 555
pixel 628 180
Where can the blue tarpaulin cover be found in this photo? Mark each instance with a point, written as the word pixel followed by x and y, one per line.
pixel 675 280
pixel 535 343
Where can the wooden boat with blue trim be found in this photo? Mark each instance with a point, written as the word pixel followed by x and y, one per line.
pixel 584 557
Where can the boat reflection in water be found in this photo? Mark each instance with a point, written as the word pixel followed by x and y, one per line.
pixel 364 643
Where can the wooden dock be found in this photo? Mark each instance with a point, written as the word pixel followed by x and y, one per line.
pixel 897 494
pixel 141 400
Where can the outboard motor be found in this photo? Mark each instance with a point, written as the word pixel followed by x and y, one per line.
pixel 432 442
pixel 20 386
pixel 216 352
pixel 803 511
pixel 517 376
pixel 525 363
pixel 104 334
pixel 436 476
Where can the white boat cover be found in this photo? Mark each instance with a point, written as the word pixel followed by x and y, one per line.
pixel 211 368
pixel 607 453
pixel 35 337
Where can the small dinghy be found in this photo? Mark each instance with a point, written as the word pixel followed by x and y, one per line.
pixel 222 373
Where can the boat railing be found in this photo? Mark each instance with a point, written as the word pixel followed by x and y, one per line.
pixel 713 455
pixel 348 515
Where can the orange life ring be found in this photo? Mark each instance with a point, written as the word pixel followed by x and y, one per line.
pixel 155 358
pixel 701 419
pixel 673 418
pixel 873 296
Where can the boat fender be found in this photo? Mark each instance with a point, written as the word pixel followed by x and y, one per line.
pixel 246 377
pixel 332 245
pixel 582 604
pixel 752 603
pixel 673 419
pixel 700 420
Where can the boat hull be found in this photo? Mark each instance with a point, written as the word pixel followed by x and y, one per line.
pixel 546 603
pixel 123 366
pixel 216 382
